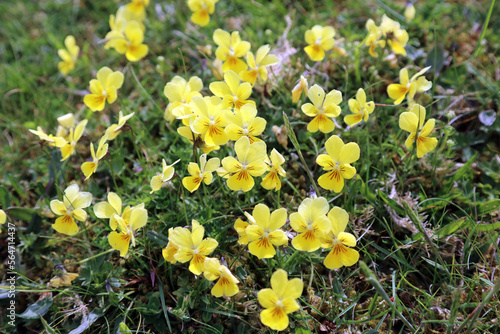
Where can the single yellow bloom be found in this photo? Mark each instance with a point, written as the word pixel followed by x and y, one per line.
pixel 280 300
pixel 115 129
pixel 322 109
pixel 272 179
pixel 226 285
pixel 51 140
pixel 179 93
pixel 201 173
pixel 360 108
pixel 320 39
pixel 62 277
pixel 243 122
pixel 195 139
pixel 341 253
pixel 232 91
pixel 74 136
pixel 409 11
pixel 413 122
pixel 3 217
pixel 120 241
pixel 90 167
pixel 302 85
pixel 266 232
pixel 138 8
pixel 416 84
pixel 159 180
pixel 69 55
pixel 129 42
pixel 311 223
pixel 201 11
pixel 70 208
pixel 210 120
pixel 250 163
pixel 374 38
pixel 103 88
pixel 257 65
pixel 192 246
pixel 337 163
pixel 230 49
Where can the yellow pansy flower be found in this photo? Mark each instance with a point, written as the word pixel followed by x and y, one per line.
pixel 337 163
pixel 74 136
pixel 301 85
pixel 416 84
pixel 129 42
pixel 374 38
pixel 341 253
pixel 70 208
pixel 413 122
pixel 159 180
pixel 409 11
pixel 137 8
pixel 201 11
pixel 322 109
pixel 69 55
pixel 311 223
pixel 201 173
pixel 266 232
pixel 128 228
pixel 272 179
pixel 257 65
pixel 232 91
pixel 192 246
pixel 62 277
pixel 280 300
pixel 250 163
pixel 195 139
pixel 243 122
pixel 115 129
pixel 103 89
pixel 320 39
pixel 210 121
pixel 226 285
pixel 89 167
pixel 179 93
pixel 360 108
pixel 395 36
pixel 230 49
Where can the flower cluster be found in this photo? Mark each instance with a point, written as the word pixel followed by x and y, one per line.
pixel 388 33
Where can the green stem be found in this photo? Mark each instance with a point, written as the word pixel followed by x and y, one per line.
pixel 92 257
pixel 295 143
pixel 485 26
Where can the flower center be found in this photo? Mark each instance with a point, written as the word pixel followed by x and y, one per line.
pixel 279 303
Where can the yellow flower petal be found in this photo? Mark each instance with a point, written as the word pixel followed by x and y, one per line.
pixel 66 225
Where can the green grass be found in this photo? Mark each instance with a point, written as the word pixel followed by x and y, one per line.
pixel 427 228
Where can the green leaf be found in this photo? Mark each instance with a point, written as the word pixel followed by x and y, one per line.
pixel 462 170
pixel 24 214
pixel 489 206
pixel 487 227
pixel 450 228
pixel 36 310
pixel 302 330
pixel 4 197
pixel 47 327
pixel 158 238
pixel 392 203
pixel 435 59
pixel 123 328
pixel 87 321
